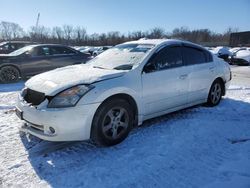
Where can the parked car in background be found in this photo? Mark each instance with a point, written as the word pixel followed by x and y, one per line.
pixel 84 49
pixel 241 57
pixel 11 46
pixel 81 48
pixel 222 52
pixel 100 50
pixel 235 49
pixel 35 59
pixel 91 49
pixel 120 88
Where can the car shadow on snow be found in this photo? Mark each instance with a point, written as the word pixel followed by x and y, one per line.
pixel 12 87
pixel 82 164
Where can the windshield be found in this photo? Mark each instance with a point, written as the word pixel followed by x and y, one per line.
pixel 21 50
pixel 121 57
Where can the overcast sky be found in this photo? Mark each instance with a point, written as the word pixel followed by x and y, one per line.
pixel 129 15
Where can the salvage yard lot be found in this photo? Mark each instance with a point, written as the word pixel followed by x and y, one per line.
pixel 196 147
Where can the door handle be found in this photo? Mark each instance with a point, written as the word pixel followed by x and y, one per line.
pixel 184 76
pixel 211 69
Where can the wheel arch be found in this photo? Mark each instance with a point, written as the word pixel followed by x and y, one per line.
pixel 128 98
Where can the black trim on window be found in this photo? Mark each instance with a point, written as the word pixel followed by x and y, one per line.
pixel 155 64
pixel 199 55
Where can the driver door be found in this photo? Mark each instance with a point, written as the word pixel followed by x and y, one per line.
pixel 165 81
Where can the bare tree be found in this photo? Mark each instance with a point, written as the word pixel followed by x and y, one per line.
pixel 70 35
pixel 10 30
pixel 68 30
pixel 79 34
pixel 227 33
pixel 157 33
pixel 137 35
pixel 39 34
pixel 57 34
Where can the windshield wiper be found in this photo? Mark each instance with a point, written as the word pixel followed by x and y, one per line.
pixel 98 67
pixel 124 67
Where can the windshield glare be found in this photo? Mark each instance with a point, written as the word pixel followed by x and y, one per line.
pixel 21 50
pixel 122 57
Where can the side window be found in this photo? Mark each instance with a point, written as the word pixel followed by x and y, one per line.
pixel 195 56
pixel 166 58
pixel 40 51
pixel 68 51
pixel 58 50
pixel 12 47
pixel 44 51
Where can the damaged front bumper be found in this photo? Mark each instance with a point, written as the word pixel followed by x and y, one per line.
pixel 56 124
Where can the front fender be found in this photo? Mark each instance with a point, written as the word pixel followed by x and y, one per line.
pixel 109 88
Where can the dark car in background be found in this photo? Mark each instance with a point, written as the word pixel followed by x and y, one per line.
pixel 11 46
pixel 35 59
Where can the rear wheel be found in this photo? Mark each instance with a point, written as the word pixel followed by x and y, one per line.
pixel 9 74
pixel 112 122
pixel 215 93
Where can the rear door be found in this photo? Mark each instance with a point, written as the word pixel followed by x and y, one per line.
pixel 165 81
pixel 202 71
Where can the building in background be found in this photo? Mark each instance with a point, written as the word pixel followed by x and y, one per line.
pixel 240 39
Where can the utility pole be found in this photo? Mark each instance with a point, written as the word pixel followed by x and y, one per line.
pixel 37 20
pixel 36 27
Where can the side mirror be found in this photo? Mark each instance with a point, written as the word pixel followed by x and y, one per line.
pixel 27 54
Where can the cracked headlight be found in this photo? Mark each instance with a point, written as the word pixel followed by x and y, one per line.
pixel 69 97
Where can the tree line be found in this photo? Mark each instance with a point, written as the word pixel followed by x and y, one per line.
pixel 78 36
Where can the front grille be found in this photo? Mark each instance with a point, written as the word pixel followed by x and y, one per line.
pixel 34 97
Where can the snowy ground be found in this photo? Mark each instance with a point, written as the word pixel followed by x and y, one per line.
pixel 196 147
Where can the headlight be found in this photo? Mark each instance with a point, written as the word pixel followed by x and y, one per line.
pixel 69 97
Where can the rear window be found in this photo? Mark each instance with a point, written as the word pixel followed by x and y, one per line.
pixel 58 50
pixel 196 56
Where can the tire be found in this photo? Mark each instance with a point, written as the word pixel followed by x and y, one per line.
pixel 9 74
pixel 112 122
pixel 215 93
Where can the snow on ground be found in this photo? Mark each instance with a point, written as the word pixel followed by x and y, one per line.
pixel 196 147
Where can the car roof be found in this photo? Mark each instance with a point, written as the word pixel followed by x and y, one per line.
pixel 54 45
pixel 158 42
pixel 22 42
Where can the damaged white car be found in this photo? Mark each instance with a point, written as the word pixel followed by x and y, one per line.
pixel 121 88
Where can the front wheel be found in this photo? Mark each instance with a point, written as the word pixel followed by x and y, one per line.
pixel 215 94
pixel 112 122
pixel 9 74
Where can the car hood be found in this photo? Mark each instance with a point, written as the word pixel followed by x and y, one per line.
pixel 60 79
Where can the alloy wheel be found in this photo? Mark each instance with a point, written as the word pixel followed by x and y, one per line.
pixel 216 93
pixel 115 123
pixel 9 74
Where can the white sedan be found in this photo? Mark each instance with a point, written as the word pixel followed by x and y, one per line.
pixel 241 57
pixel 119 89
